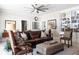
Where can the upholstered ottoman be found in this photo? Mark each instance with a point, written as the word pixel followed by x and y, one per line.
pixel 49 47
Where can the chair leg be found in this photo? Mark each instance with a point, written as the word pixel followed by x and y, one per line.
pixel 68 43
pixel 32 53
pixel 64 41
pixel 60 40
pixel 71 42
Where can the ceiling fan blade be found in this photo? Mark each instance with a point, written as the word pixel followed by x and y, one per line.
pixel 41 10
pixel 32 10
pixel 45 8
pixel 37 11
pixel 41 6
pixel 33 6
pixel 36 4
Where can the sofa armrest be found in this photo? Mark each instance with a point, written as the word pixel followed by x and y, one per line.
pixel 21 47
pixel 29 44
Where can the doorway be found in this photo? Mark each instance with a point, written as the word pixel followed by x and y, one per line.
pixel 24 25
pixel 10 25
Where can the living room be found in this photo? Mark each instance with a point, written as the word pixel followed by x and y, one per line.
pixel 52 19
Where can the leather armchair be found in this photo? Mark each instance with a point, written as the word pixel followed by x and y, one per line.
pixel 18 49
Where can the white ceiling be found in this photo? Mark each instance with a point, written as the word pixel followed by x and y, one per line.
pixel 26 8
pixel 59 7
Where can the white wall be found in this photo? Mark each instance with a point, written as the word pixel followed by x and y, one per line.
pixel 13 15
pixel 17 18
pixel 2 26
pixel 50 17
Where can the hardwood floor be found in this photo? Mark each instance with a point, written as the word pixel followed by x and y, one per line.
pixel 67 51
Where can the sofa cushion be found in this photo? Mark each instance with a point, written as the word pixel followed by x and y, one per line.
pixel 47 38
pixel 35 34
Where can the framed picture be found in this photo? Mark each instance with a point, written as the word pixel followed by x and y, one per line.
pixel 24 25
pixel 52 24
pixel 35 25
pixel 10 25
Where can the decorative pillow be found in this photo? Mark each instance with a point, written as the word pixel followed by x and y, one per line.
pixel 24 36
pixel 43 34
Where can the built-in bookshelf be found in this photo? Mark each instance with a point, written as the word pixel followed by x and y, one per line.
pixel 65 22
pixel 75 20
pixel 70 22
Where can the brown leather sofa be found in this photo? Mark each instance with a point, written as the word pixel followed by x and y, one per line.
pixel 34 37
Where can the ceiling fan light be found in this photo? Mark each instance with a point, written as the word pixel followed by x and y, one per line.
pixel 36 4
pixel 37 11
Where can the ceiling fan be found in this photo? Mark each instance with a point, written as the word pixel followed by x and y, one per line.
pixel 37 8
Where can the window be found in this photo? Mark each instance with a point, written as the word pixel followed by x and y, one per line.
pixel 35 25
